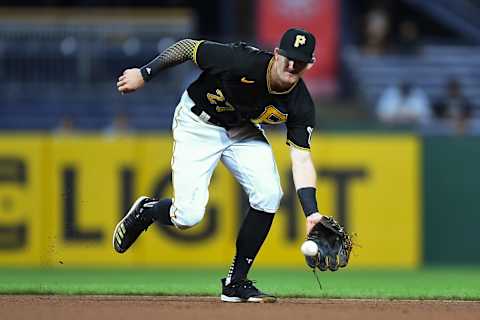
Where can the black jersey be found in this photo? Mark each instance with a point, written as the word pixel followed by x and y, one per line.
pixel 234 89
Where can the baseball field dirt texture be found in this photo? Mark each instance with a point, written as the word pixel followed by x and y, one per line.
pixel 82 293
pixel 51 307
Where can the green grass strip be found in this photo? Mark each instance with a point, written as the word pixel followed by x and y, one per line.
pixel 430 283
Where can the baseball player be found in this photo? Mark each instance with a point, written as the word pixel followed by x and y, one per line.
pixel 217 119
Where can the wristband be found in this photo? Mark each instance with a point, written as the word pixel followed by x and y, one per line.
pixel 308 200
pixel 145 74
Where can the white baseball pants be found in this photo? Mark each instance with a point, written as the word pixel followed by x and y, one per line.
pixel 198 146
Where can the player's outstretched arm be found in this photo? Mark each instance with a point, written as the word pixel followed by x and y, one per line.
pixel 305 180
pixel 179 52
pixel 328 245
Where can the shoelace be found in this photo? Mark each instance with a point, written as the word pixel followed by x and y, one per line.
pixel 143 221
pixel 246 284
pixel 139 217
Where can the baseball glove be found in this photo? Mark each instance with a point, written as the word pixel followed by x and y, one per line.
pixel 334 245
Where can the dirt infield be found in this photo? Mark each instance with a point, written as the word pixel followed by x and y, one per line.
pixel 179 308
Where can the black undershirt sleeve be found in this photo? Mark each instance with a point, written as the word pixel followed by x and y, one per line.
pixel 177 53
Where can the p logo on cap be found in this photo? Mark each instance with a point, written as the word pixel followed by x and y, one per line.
pixel 299 40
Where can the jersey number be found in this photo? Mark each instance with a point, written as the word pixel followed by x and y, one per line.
pixel 219 98
pixel 271 115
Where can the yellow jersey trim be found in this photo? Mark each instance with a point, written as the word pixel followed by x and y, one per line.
pixel 245 80
pixel 290 143
pixel 194 55
pixel 270 90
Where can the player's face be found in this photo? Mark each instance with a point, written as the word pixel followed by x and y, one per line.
pixel 289 71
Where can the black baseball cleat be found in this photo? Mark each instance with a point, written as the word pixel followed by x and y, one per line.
pixel 244 291
pixel 131 226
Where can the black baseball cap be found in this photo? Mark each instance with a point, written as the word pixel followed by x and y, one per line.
pixel 297 44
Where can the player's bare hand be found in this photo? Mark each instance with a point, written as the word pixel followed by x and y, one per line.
pixel 131 80
pixel 312 220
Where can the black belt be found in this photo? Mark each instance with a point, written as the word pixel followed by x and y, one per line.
pixel 206 117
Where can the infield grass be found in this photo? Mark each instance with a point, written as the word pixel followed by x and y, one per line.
pixel 428 283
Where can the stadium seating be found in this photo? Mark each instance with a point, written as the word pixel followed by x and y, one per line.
pixel 430 70
pixel 57 70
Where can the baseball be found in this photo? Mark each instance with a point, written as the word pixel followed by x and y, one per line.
pixel 309 248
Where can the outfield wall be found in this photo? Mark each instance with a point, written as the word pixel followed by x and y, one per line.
pixel 61 197
pixel 451 192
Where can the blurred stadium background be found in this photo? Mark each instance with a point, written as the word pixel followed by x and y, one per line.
pixel 74 153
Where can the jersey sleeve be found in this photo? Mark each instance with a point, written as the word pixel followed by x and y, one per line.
pixel 214 57
pixel 300 124
pixel 177 53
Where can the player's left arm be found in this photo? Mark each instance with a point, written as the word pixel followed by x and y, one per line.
pixel 305 180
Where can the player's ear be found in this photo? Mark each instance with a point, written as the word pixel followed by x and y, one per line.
pixel 276 53
pixel 310 65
